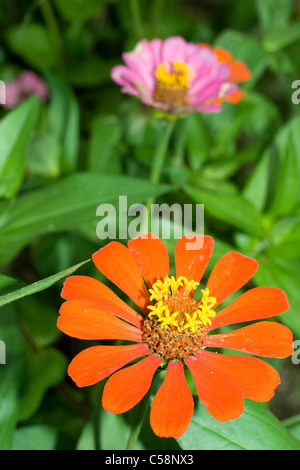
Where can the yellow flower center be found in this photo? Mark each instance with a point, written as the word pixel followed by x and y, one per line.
pixel 172 83
pixel 175 308
pixel 177 324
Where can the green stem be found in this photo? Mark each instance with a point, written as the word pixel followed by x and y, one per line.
pixel 139 417
pixel 158 161
pixel 180 144
pixel 52 27
pixel 136 17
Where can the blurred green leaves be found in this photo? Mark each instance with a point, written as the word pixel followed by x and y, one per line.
pixel 16 131
pixel 79 10
pixel 33 43
pixel 256 429
pixel 89 144
pixel 68 205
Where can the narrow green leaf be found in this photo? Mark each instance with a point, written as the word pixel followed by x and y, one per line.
pixel 286 196
pixel 38 286
pixel 63 122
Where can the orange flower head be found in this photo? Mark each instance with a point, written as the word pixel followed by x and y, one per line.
pixel 173 329
pixel 239 73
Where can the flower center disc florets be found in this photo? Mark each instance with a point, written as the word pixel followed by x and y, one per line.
pixel 172 83
pixel 177 324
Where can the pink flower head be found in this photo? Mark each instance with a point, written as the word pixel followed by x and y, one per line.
pixel 26 84
pixel 175 76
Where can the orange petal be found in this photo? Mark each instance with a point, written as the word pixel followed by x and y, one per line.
pixel 256 379
pixel 151 256
pixel 173 405
pixel 235 97
pixel 117 263
pixel 85 320
pixel 219 394
pixel 257 303
pixel 230 273
pixel 269 339
pixel 128 386
pixel 191 260
pixel 87 288
pixel 223 55
pixel 239 72
pixel 97 362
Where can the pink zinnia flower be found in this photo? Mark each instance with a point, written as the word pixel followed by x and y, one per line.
pixel 26 84
pixel 175 76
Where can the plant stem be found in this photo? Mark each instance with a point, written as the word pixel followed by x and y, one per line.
pixel 136 17
pixel 180 143
pixel 158 161
pixel 52 27
pixel 138 421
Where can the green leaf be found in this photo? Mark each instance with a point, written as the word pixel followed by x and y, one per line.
pixel 257 188
pixel 37 286
pixel 197 140
pixel 256 429
pixel 63 122
pixel 267 188
pixel 105 134
pixel 286 196
pixel 44 164
pixel 11 376
pixel 7 284
pixel 284 274
pixel 35 437
pixel 45 369
pixel 230 208
pixel 293 426
pixel 102 420
pixel 285 238
pixel 78 10
pixel 33 44
pixel 274 15
pixel 279 37
pixel 40 328
pixel 68 205
pixel 15 133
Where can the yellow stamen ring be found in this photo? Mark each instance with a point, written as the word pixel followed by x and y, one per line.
pixel 175 308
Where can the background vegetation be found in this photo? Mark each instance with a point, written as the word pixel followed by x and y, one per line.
pixel 87 145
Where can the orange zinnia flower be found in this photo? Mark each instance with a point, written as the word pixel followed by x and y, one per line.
pixel 239 73
pixel 173 331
